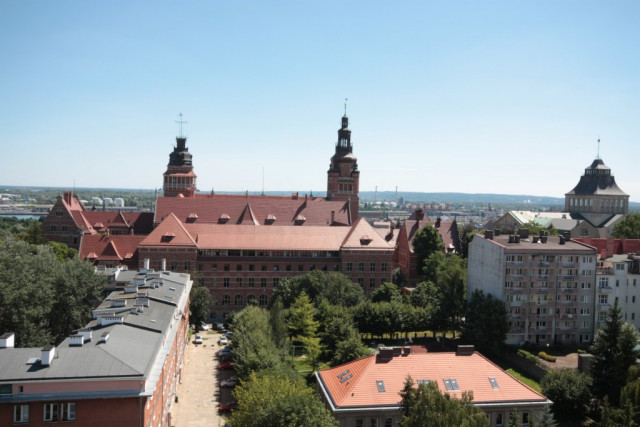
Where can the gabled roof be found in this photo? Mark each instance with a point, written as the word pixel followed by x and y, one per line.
pixel 113 247
pixel 170 232
pixel 364 236
pixel 317 211
pixel 354 384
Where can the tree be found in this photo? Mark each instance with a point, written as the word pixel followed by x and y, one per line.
pixel 426 241
pixel 273 400
pixel 386 292
pixel 278 323
pixel 425 295
pixel 200 301
pixel 426 406
pixel 253 347
pixel 301 322
pixel 398 278
pixel 451 281
pixel 340 338
pixel 628 227
pixel 42 300
pixel 335 287
pixel 545 418
pixel 614 351
pixel 485 323
pixel 467 233
pixel 570 392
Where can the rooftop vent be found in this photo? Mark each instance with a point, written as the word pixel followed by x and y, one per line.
pixel 524 233
pixel 536 239
pixel 7 340
pixel 365 240
pixel 167 237
pixel 48 353
pixel 86 333
pixel 111 320
pixel 104 337
pixel 385 354
pixel 131 288
pixel 192 217
pixel 488 234
pixel 118 303
pixel 224 218
pixel 76 340
pixel 561 240
pixel 543 239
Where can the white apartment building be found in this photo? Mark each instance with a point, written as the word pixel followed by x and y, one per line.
pixel 618 278
pixel 546 282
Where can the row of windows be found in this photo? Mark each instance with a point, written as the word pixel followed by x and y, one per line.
pixel 547 285
pixel 372 267
pixel 549 258
pixel 264 281
pixel 239 300
pixel 52 412
pixel 55 228
pixel 281 254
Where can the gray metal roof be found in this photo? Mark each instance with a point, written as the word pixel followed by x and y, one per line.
pixel 131 349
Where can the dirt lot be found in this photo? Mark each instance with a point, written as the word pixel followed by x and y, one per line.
pixel 199 393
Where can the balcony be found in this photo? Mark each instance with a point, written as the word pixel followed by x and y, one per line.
pixel 605 290
pixel 569 290
pixel 543 264
pixel 604 305
pixel 516 277
pixel 515 304
pixel 568 264
pixel 541 290
pixel 543 278
pixel 514 263
pixel 567 277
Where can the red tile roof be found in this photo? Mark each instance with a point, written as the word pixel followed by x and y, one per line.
pixel 317 211
pixel 170 232
pixel 357 387
pixel 109 248
pixel 612 246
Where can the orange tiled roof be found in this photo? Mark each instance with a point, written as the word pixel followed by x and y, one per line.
pixel 107 248
pixel 365 236
pixel 316 211
pixel 471 372
pixel 170 232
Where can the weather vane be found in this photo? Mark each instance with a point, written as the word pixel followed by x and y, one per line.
pixel 598 147
pixel 345 106
pixel 181 122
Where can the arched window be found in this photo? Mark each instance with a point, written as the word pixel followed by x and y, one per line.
pixel 263 300
pixel 226 300
pixel 238 300
pixel 251 299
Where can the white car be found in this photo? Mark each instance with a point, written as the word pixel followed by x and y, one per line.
pixel 198 339
pixel 231 382
pixel 204 327
pixel 224 340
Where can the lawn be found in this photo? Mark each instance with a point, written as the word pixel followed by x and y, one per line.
pixel 528 381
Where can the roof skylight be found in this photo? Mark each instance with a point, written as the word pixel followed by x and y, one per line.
pixel 380 385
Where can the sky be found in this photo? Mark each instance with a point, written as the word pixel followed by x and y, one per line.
pixel 506 97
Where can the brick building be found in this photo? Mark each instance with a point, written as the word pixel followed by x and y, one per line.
pixel 121 369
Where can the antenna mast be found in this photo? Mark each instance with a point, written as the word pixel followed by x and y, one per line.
pixel 181 122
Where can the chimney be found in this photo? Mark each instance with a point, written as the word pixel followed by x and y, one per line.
pixel 294 196
pixel 512 238
pixel 104 337
pixel 497 231
pixel 333 217
pixel 603 254
pixel 7 340
pixel 164 264
pixel 524 233
pixel 561 240
pixel 488 234
pixel 543 239
pixel 385 354
pixel 438 222
pixel 536 239
pixel 465 350
pixel 146 263
pixel 67 197
pixel 419 214
pixel 516 238
pixel 48 353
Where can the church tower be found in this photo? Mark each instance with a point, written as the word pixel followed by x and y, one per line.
pixel 179 177
pixel 343 181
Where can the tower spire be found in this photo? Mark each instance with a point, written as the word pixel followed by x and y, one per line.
pixel 598 147
pixel 345 106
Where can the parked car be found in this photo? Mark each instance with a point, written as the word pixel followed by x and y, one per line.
pixel 225 366
pixel 204 327
pixel 220 326
pixel 226 358
pixel 198 339
pixel 224 340
pixel 228 334
pixel 226 351
pixel 231 382
pixel 228 407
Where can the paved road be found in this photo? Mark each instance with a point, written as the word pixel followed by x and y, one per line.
pixel 199 393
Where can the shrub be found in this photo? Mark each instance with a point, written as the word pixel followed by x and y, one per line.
pixel 527 356
pixel 544 356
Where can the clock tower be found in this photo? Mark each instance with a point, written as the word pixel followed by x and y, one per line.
pixel 343 181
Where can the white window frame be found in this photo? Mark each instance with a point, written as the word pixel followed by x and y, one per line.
pixel 20 414
pixel 68 411
pixel 50 413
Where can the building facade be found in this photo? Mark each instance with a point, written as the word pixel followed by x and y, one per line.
pixel 121 369
pixel 547 284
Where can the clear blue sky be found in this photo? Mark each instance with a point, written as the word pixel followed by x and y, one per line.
pixel 479 96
